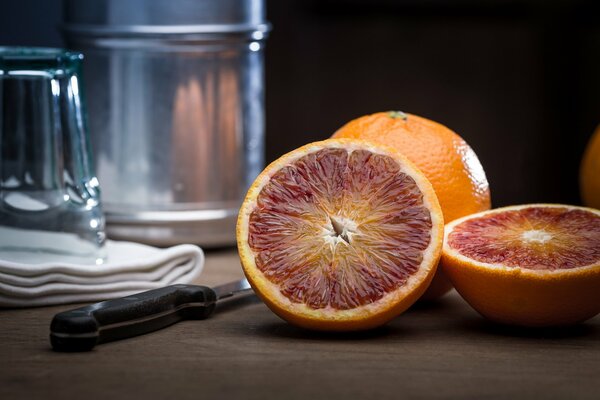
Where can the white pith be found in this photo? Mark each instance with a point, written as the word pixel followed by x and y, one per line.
pixel 339 231
pixel 536 236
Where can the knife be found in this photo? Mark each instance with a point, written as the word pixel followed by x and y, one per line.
pixel 83 328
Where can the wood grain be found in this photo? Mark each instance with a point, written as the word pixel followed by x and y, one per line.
pixel 442 350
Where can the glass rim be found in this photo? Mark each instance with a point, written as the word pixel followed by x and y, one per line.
pixel 38 58
pixel 38 53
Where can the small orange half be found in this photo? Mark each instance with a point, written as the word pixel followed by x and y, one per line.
pixel 528 265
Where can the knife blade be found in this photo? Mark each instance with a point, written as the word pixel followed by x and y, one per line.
pixel 83 328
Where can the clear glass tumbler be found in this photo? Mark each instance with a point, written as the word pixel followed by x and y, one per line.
pixel 49 195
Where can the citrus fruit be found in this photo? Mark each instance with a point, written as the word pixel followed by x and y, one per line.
pixel 589 176
pixel 340 235
pixel 529 265
pixel 445 158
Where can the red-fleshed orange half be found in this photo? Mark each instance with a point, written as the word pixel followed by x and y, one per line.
pixel 531 265
pixel 340 235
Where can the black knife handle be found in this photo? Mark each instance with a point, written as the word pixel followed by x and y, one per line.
pixel 82 328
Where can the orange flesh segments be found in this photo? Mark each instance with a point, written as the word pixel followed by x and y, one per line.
pixel 339 229
pixel 536 238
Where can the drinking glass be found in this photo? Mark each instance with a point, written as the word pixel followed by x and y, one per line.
pixel 49 196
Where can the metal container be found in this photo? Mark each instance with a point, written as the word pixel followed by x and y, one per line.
pixel 175 109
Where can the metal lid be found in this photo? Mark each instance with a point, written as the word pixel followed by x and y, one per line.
pixel 163 17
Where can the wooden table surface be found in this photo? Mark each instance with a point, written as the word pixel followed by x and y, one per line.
pixel 442 350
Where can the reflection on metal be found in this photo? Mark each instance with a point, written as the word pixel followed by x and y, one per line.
pixel 176 113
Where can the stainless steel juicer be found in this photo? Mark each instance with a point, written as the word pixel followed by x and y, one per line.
pixel 176 114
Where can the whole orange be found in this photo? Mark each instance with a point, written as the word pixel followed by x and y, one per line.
pixel 589 177
pixel 445 159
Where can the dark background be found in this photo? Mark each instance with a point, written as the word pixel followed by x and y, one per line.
pixel 519 80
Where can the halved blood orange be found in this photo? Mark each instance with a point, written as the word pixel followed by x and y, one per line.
pixel 340 235
pixel 529 265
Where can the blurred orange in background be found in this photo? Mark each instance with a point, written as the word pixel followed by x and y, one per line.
pixel 589 178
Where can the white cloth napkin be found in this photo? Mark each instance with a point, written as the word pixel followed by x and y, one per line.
pixel 129 268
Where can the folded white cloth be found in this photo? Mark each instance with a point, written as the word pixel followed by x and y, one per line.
pixel 129 268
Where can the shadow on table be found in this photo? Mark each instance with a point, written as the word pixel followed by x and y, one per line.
pixel 443 305
pixel 237 303
pixel 282 329
pixel 287 331
pixel 403 326
pixel 448 313
pixel 399 327
pixel 467 320
pixel 483 326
